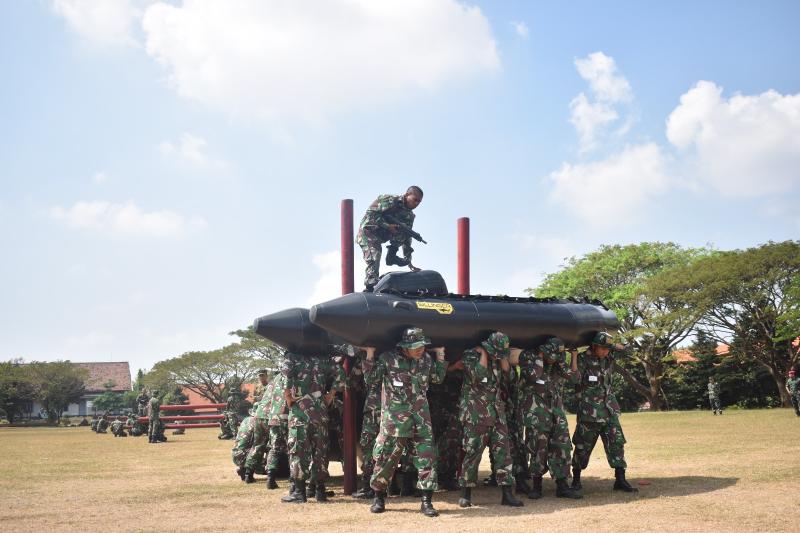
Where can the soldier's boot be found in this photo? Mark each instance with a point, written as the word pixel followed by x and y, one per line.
pixel 490 481
pixel 522 484
pixel 298 495
pixel 394 486
pixel 407 485
pixel 248 476
pixel 565 491
pixel 621 483
pixel 271 483
pixel 509 498
pixel 379 503
pixel 365 492
pixel 426 507
pixel 536 488
pixel 392 259
pixel 240 472
pixel 466 497
pixel 311 488
pixel 320 494
pixel 576 478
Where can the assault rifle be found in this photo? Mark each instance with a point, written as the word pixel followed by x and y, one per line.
pixel 405 228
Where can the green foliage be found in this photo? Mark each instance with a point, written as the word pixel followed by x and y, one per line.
pixel 109 401
pixel 58 385
pixel 17 390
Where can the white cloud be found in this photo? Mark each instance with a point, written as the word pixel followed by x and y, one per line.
pixel 102 23
pixel 625 179
pixel 192 150
pixel 521 28
pixel 744 145
pixel 309 60
pixel 588 118
pixel 329 283
pixel 600 71
pixel 100 178
pixel 124 219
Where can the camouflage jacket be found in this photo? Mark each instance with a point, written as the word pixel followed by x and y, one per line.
pixel 265 402
pixel 244 435
pixel 386 204
pixel 307 378
pixel 596 401
pixel 793 386
pixel 153 408
pixel 542 384
pixel 713 390
pixel 278 411
pixel 404 382
pixel 117 425
pixel 481 400
pixel 372 392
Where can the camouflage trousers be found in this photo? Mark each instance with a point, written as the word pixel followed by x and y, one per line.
pixel 225 431
pixel 255 455
pixel 239 452
pixel 371 247
pixel 277 441
pixel 155 428
pixel 389 451
pixel 137 429
pixel 516 437
pixel 308 452
pixel 585 437
pixel 369 432
pixel 448 434
pixel 716 405
pixel 547 442
pixel 476 438
pixel 796 403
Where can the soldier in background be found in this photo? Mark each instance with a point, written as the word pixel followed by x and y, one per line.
pixel 405 373
pixel 483 415
pixel 598 412
pixel 793 387
pixel 102 424
pixel 713 396
pixel 118 428
pixel 443 400
pixel 542 374
pixel 136 427
pixel 94 422
pixel 374 230
pixel 309 398
pixel 141 402
pixel 242 446
pixel 155 430
pixel 260 427
pixel 278 428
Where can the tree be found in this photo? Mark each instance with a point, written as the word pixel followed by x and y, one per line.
pixel 109 400
pixel 653 321
pixel 17 389
pixel 686 384
pixel 258 347
pixel 58 385
pixel 750 299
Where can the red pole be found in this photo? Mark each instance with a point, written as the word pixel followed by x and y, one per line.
pixel 349 423
pixel 463 255
pixel 191 407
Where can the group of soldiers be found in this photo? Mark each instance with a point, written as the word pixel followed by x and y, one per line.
pixel 428 422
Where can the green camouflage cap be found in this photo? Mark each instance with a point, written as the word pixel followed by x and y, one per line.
pixel 497 344
pixel 413 338
pixel 603 339
pixel 553 345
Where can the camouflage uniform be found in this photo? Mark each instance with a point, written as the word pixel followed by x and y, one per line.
pixel 516 429
pixel 713 397
pixel 373 231
pixel 598 411
pixel 260 424
pixel 547 432
pixel 405 414
pixel 155 428
pixel 793 386
pixel 102 424
pixel 306 377
pixel 243 442
pixel 278 423
pixel 93 424
pixel 229 425
pixel 483 415
pixel 118 428
pixel 443 399
pixel 141 402
pixel 136 427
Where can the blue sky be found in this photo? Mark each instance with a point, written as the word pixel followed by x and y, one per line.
pixel 171 171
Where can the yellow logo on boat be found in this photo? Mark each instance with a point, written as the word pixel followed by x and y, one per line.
pixel 440 307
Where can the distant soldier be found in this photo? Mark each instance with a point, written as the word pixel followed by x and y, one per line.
pixel 118 428
pixel 259 423
pixel 793 387
pixel 155 430
pixel 93 425
pixel 598 412
pixel 483 416
pixel 141 402
pixel 308 397
pixel 713 396
pixel 278 428
pixel 136 428
pixel 374 230
pixel 405 373
pixel 102 424
pixel 242 446
pixel 543 373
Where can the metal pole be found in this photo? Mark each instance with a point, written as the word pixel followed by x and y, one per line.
pixel 348 282
pixel 463 255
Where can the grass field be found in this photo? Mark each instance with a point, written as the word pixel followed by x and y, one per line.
pixel 695 472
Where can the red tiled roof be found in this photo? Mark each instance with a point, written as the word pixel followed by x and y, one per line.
pixel 685 356
pixel 101 373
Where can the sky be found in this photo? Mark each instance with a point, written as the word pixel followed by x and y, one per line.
pixel 169 171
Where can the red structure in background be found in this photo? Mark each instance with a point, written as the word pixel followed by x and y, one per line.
pixel 348 282
pixel 463 255
pixel 192 419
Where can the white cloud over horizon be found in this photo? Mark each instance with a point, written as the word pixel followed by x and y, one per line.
pixel 521 29
pixel 124 219
pixel 105 23
pixel 329 281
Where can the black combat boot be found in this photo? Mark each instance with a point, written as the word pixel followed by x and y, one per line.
pixel 379 503
pixel 426 507
pixel 408 484
pixel 509 498
pixel 522 483
pixel 240 472
pixel 576 478
pixel 271 483
pixel 490 481
pixel 536 488
pixel 392 259
pixel 298 495
pixel 311 488
pixel 565 491
pixel 365 492
pixel 466 497
pixel 621 483
pixel 394 486
pixel 320 493
pixel 248 476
